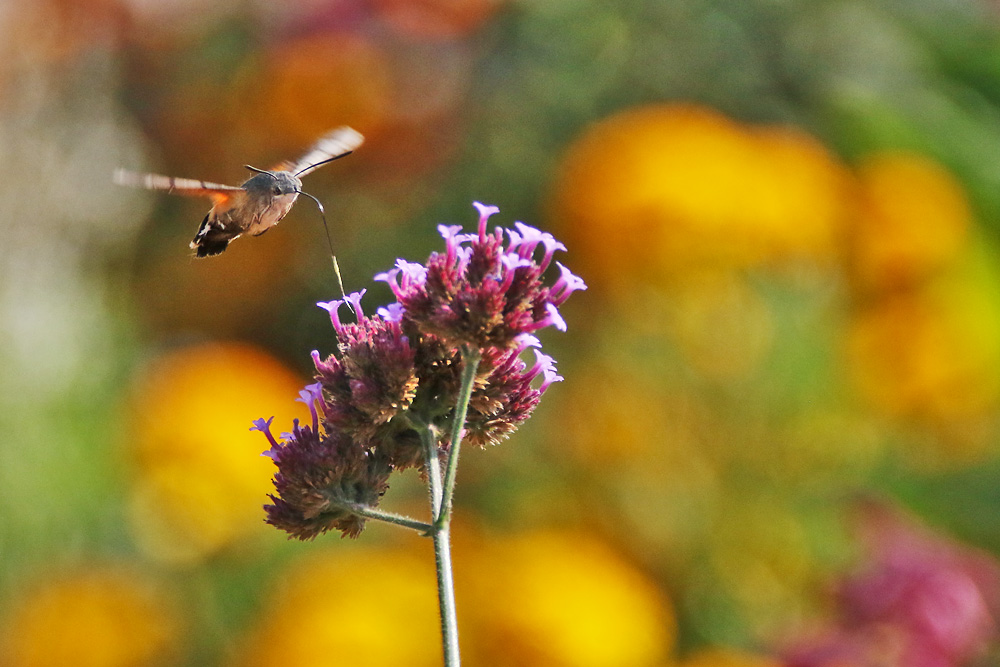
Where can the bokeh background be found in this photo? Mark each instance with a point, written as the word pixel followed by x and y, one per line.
pixel 777 441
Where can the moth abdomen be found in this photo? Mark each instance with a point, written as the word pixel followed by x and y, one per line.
pixel 211 239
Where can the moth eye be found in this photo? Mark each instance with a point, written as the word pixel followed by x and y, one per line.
pixel 276 190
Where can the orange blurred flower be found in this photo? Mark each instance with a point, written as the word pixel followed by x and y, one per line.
pixel 102 618
pixel 657 189
pixel 719 657
pixel 308 85
pixel 795 196
pixel 559 599
pixel 913 220
pixel 637 428
pixel 436 19
pixel 405 105
pixel 931 354
pixel 200 481
pixel 58 32
pixel 350 607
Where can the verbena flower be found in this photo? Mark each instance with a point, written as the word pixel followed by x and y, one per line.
pixel 399 370
pixel 484 294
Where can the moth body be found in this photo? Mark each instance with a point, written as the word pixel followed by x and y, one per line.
pixel 256 205
pixel 267 197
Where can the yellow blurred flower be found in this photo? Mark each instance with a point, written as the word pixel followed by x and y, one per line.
pixel 627 420
pixel 200 481
pixel 658 189
pixel 635 425
pixel 647 446
pixel 913 220
pixel 718 657
pixel 97 619
pixel 353 607
pixel 933 353
pixel 797 196
pixel 559 599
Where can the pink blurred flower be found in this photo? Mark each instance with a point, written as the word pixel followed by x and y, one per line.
pixel 918 600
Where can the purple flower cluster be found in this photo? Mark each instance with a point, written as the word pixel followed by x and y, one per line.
pixel 398 372
pixel 483 295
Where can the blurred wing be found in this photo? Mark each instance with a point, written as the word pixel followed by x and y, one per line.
pixel 181 186
pixel 337 143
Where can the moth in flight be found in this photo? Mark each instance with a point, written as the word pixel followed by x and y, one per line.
pixel 257 205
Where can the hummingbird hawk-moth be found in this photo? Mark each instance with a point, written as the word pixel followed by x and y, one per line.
pixel 256 205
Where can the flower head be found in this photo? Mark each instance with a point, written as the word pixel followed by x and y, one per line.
pixel 320 479
pixel 400 369
pixel 485 293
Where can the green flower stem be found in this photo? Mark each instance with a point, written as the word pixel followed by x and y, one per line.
pixel 471 357
pixel 441 504
pixel 388 517
pixel 432 463
pixel 446 595
pixel 442 550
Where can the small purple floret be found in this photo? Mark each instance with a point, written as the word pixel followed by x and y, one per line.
pixel 565 285
pixel 404 277
pixel 391 313
pixel 333 307
pixel 485 212
pixel 264 426
pixel 354 298
pixel 449 232
pixel 524 341
pixel 546 366
pixel 312 394
pixel 551 245
pixel 451 241
pixel 530 238
pixel 554 318
pixel 543 362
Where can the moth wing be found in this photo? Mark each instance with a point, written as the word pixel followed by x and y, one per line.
pixel 189 187
pixel 330 146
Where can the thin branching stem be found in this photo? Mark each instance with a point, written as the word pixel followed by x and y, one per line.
pixel 470 357
pixel 388 517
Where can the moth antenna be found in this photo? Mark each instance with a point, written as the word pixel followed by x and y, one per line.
pixel 329 242
pixel 317 164
pixel 259 171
